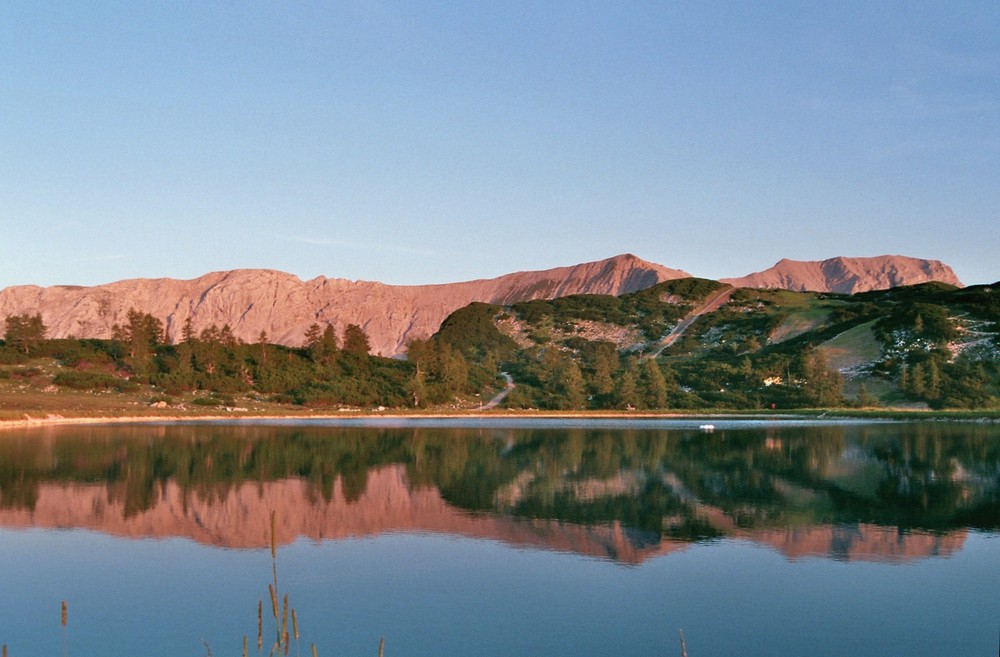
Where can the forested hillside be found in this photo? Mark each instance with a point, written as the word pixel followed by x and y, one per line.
pixel 929 345
pixel 932 344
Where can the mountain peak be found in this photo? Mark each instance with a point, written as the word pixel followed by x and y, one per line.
pixel 627 258
pixel 847 275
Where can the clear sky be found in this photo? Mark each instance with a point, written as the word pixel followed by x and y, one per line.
pixel 426 142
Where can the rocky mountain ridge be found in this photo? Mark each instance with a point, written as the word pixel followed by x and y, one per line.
pixel 848 275
pixel 252 301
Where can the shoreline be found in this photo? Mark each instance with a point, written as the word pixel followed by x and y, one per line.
pixel 59 420
pixel 817 415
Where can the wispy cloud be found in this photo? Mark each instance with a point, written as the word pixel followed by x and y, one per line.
pixel 363 246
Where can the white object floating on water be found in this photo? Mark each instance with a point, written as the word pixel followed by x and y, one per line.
pixel 707 427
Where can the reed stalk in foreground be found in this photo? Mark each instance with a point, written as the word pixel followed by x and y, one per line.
pixel 260 625
pixel 62 621
pixel 283 638
pixel 274 601
pixel 284 624
pixel 274 550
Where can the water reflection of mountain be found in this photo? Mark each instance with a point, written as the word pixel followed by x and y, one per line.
pixel 898 493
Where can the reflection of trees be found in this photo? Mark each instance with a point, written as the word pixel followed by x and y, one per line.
pixel 21 465
pixel 936 478
pixel 656 484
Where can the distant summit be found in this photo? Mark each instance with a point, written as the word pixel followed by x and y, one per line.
pixel 283 306
pixel 848 275
pixel 618 275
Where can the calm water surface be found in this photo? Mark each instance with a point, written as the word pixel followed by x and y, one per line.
pixel 505 538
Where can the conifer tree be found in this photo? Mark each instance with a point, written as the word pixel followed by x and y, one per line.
pixel 356 340
pixel 569 391
pixel 323 349
pixel 604 362
pixel 654 385
pixel 626 394
pixel 187 331
pixel 24 332
pixel 933 387
pixel 140 335
pixel 312 335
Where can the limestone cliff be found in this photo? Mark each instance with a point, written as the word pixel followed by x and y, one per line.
pixel 283 306
pixel 848 275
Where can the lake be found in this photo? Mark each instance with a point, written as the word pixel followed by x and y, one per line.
pixel 503 537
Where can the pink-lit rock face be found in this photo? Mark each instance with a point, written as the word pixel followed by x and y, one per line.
pixel 240 518
pixel 848 275
pixel 284 306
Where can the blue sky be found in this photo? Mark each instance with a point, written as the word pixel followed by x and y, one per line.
pixel 433 142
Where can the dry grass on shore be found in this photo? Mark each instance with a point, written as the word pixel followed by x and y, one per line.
pixel 24 405
pixel 33 403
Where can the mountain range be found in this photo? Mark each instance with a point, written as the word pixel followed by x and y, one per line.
pixel 283 306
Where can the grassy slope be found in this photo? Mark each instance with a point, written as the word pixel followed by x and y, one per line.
pixel 799 322
pixel 854 347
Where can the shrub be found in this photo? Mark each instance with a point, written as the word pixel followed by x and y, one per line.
pixel 25 372
pixel 88 380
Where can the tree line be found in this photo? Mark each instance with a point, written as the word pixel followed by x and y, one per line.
pixel 725 361
pixel 326 370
